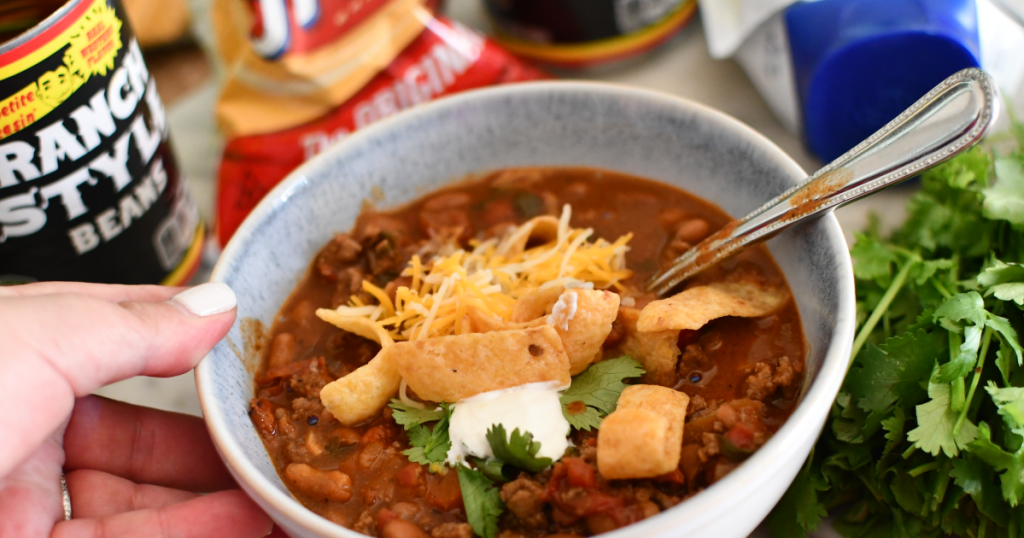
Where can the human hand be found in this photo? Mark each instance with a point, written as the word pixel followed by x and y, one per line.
pixel 131 471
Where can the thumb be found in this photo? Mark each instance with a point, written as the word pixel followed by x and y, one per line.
pixel 59 346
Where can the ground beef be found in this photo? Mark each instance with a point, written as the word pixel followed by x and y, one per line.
pixel 588 453
pixel 693 358
pixel 770 375
pixel 339 253
pixel 785 374
pixel 709 446
pixel 697 403
pixel 310 381
pixel 366 523
pixel 525 498
pixel 349 283
pixel 452 530
pixel 303 408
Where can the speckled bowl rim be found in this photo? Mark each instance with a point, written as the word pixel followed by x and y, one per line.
pixel 754 472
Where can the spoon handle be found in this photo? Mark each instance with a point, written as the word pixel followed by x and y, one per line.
pixel 946 121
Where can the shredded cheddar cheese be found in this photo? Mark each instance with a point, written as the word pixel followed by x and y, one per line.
pixel 490 278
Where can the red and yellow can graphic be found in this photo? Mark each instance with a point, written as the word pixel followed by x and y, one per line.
pixel 89 187
pixel 583 33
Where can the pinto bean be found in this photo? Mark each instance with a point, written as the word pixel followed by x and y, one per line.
pixel 405 510
pixel 345 436
pixel 282 350
pixel 369 454
pixel 314 444
pixel 334 486
pixel 262 413
pixel 400 528
pixel 692 230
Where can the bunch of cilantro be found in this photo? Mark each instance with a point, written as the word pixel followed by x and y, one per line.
pixel 593 394
pixel 925 437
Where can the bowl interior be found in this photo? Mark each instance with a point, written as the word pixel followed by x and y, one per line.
pixel 573 124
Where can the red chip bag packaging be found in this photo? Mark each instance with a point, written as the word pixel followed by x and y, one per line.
pixel 301 74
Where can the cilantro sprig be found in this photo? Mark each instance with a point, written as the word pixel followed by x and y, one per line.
pixel 482 501
pixel 427 445
pixel 595 392
pixel 926 437
pixel 409 416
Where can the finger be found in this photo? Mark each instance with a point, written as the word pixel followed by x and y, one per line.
pixel 30 495
pixel 56 347
pixel 225 514
pixel 116 293
pixel 95 494
pixel 143 445
pixel 277 533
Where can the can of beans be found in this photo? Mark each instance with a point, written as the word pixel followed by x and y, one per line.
pixel 583 33
pixel 89 187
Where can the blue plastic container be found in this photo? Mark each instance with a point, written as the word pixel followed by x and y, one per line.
pixel 859 63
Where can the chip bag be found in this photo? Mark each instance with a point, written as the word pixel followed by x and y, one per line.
pixel 301 74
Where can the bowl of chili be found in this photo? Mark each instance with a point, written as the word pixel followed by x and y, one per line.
pixel 572 137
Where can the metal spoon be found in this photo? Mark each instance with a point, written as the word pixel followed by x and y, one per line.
pixel 946 121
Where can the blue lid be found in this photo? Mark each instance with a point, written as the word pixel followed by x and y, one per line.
pixel 859 63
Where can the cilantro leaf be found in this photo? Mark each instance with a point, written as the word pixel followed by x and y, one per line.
pixel 1013 479
pixel 1004 280
pixel 963 306
pixel 519 450
pixel 597 388
pixel 493 469
pixel 581 416
pixel 482 501
pixel 1003 360
pixel 874 259
pixel 893 370
pixel 409 416
pixel 1010 401
pixel 935 421
pixel 894 428
pixel 1005 199
pixel 430 445
pixel 1008 334
pixel 964 362
pixel 799 510
pixel 978 480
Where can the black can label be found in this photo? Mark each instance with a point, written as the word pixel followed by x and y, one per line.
pixel 89 188
pixel 580 33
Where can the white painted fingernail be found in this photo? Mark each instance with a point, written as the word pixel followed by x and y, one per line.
pixel 207 299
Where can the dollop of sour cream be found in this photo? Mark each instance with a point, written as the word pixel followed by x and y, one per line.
pixel 533 407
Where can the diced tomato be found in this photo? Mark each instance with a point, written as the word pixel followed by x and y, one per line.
pixel 741 435
pixel 572 502
pixel 580 473
pixel 445 494
pixel 384 517
pixel 409 476
pixel 592 502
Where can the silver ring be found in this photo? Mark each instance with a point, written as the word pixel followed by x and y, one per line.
pixel 66 497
